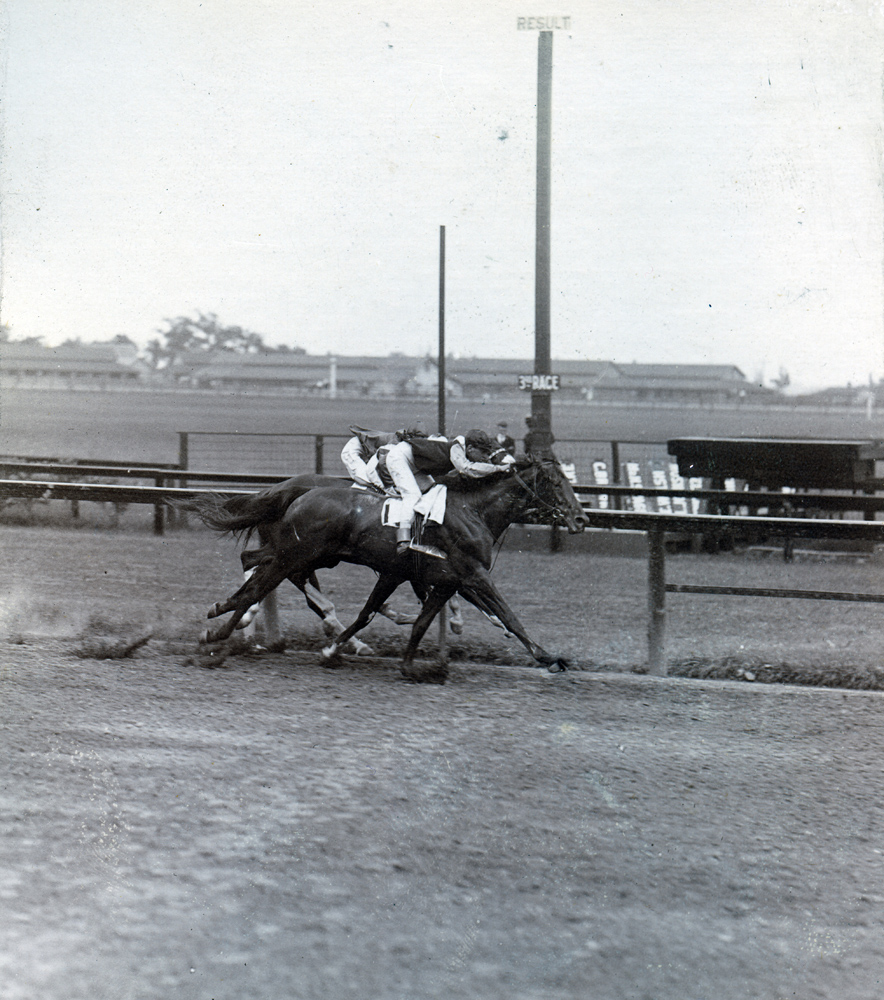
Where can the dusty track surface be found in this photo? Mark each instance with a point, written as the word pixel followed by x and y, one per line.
pixel 275 829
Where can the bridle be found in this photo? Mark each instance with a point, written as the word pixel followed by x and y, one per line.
pixel 531 490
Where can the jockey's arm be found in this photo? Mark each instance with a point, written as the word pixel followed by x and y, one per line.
pixel 371 472
pixel 473 470
pixel 352 456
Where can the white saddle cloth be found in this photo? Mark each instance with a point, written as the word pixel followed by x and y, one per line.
pixel 431 505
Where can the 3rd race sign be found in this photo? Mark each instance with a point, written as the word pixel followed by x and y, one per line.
pixel 539 383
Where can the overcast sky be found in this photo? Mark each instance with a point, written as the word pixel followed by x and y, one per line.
pixel 716 176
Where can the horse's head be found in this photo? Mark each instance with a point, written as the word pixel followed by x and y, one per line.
pixel 556 501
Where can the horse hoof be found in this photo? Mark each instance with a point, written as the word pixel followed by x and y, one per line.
pixel 456 627
pixel 558 666
pixel 205 637
pixel 359 648
pixel 214 610
pixel 329 652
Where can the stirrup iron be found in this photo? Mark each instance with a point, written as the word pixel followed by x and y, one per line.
pixel 427 550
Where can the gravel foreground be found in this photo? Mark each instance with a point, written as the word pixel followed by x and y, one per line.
pixel 275 829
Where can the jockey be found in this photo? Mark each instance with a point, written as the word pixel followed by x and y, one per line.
pixel 418 459
pixel 360 452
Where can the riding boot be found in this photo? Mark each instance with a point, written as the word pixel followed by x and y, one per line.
pixel 403 539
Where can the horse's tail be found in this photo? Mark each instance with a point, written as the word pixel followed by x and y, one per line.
pixel 238 515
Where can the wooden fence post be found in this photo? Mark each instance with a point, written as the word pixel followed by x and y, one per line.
pixel 555 538
pixel 183 449
pixel 615 472
pixel 319 444
pixel 656 602
pixel 177 518
pixel 270 614
pixel 158 509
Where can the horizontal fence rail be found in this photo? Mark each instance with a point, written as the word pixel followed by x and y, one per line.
pixel 30 489
pixel 712 524
pixel 809 595
pixel 31 460
pixel 160 474
pixel 858 502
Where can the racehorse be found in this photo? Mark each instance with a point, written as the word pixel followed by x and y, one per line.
pixel 242 515
pixel 324 527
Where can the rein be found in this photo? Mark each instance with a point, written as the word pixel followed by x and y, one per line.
pixel 499 545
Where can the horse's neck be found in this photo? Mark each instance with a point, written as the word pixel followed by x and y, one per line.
pixel 502 505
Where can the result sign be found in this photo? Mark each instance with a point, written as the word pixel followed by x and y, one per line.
pixel 543 23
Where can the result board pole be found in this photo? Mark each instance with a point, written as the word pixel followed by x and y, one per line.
pixel 541 402
pixel 443 616
pixel 441 420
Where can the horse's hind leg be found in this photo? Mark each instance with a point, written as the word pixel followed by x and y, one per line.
pixel 270 611
pixel 267 578
pixel 382 590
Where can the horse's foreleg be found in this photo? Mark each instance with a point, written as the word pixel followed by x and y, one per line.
pixel 434 603
pixel 325 609
pixel 404 617
pixel 455 622
pixel 479 590
pixel 397 617
pixel 497 623
pixel 408 618
pixel 382 590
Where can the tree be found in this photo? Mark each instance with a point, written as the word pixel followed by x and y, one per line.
pixel 782 380
pixel 285 349
pixel 204 333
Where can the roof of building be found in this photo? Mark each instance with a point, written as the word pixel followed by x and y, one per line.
pixel 73 358
pixel 678 371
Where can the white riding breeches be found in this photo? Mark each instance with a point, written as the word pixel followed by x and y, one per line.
pixel 400 465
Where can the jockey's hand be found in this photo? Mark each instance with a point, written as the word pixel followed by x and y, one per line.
pixel 508 463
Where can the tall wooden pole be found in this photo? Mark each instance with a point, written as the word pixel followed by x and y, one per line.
pixel 541 403
pixel 443 616
pixel 441 420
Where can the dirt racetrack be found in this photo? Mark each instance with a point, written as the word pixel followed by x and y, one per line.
pixel 275 829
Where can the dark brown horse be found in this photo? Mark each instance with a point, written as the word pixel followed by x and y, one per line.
pixel 243 515
pixel 326 526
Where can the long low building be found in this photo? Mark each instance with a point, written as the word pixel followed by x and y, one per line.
pixel 274 372
pixel 25 363
pixel 471 378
